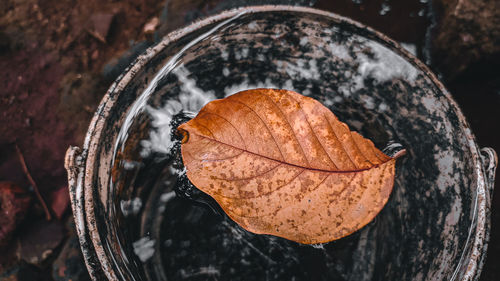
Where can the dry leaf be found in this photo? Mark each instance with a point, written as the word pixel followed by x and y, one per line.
pixel 14 203
pixel 281 163
pixel 59 201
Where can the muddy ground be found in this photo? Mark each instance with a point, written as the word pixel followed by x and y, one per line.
pixel 57 58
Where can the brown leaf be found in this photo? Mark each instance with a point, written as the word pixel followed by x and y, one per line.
pixel 100 25
pixel 14 202
pixel 39 240
pixel 59 201
pixel 281 163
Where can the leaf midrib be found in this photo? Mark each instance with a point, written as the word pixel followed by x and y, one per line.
pixel 295 165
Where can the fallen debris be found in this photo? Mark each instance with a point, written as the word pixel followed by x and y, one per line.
pixel 33 183
pixel 39 240
pixel 59 201
pixel 100 25
pixel 14 202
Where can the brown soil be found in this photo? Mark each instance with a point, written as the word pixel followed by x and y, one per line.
pixel 49 68
pixel 52 55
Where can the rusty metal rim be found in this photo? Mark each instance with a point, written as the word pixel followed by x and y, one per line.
pixel 81 164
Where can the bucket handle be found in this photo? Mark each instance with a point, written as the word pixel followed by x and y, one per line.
pixel 490 162
pixel 72 163
pixel 74 166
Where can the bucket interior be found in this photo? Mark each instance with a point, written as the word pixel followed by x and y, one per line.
pixel 154 225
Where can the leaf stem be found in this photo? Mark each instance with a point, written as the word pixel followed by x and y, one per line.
pixel 400 153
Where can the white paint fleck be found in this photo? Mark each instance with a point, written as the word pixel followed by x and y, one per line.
pixel 446 178
pixel 450 241
pixel 328 102
pixel 383 107
pixel 129 165
pixel 244 52
pixel 385 67
pixel 168 243
pixel 430 103
pixel 144 248
pixel 131 207
pixel 165 197
pixel 345 90
pixel 412 48
pixel 369 102
pixel 289 86
pixel 339 51
pixel 384 9
pixel 208 271
pixel 253 25
pixel 318 246
pixel 225 71
pixel 301 69
pixel 454 216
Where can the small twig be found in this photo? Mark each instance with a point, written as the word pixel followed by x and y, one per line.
pixel 33 183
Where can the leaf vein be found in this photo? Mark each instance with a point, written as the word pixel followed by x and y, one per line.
pixel 236 129
pixel 359 149
pixel 298 166
pixel 341 144
pixel 265 124
pixel 289 125
pixel 314 133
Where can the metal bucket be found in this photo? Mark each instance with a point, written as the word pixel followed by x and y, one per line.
pixel 436 224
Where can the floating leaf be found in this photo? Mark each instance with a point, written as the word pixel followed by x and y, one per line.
pixel 281 163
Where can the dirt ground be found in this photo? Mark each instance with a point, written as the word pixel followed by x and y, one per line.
pixel 57 58
pixel 53 75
